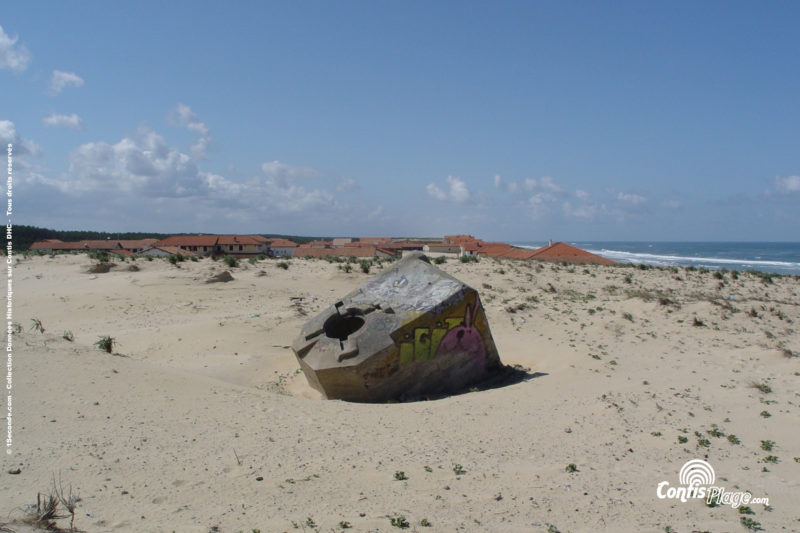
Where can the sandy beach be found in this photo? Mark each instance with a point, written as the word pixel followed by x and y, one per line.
pixel 201 421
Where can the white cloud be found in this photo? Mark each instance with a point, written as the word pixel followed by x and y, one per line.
pixel 186 118
pixel 285 173
pixel 545 183
pixel 790 184
pixel 672 204
pixel 21 147
pixel 61 80
pixel 458 191
pixel 143 170
pixel 346 184
pixel 435 191
pixel 12 55
pixel 540 203
pixel 631 198
pixel 66 121
pixel 585 206
pixel 142 165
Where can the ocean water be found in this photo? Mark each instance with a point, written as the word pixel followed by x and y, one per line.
pixel 774 257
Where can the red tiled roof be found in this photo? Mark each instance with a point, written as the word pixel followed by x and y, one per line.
pixel 281 243
pixel 560 251
pixel 404 245
pixel 173 250
pixel 318 244
pixel 459 239
pixel 238 239
pixel 55 244
pixel 137 243
pixel 344 251
pixel 374 240
pixel 187 240
pixel 494 249
pixel 46 244
pixel 123 253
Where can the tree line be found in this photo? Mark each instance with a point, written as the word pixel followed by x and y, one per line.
pixel 24 236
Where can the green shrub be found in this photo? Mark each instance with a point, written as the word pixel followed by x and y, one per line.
pixel 105 343
pixel 174 259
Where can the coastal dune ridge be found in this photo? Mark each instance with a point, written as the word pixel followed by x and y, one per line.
pixel 199 419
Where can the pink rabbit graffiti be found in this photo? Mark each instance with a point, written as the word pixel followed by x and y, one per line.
pixel 464 338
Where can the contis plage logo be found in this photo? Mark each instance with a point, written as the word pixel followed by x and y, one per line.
pixel 696 481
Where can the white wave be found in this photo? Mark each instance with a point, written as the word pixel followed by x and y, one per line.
pixel 666 260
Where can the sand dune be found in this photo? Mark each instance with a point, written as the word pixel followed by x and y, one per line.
pixel 200 419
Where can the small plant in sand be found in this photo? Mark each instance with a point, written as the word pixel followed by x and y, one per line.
pixel 439 260
pixel 425 523
pixel 459 470
pixel 347 267
pixel 682 439
pixel 765 414
pixel 696 322
pixel 400 475
pixel 345 525
pixel 400 522
pixel 282 264
pixel 310 522
pixel 762 387
pixel 99 255
pixel 770 459
pixel 365 264
pixel 46 511
pixel 68 336
pixel 232 262
pixel 105 343
pixel 37 325
pixel 551 528
pixel 571 468
pixel 174 259
pixel 767 445
pixel 733 439
pixel 750 524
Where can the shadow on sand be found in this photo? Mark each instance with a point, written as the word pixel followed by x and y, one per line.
pixel 505 376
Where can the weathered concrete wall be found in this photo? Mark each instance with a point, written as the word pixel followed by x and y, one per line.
pixel 410 331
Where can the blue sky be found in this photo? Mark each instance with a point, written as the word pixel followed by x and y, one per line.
pixel 510 121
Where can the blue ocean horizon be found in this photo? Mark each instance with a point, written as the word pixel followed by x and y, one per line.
pixel 772 257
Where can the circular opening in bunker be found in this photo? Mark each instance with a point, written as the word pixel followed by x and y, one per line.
pixel 341 327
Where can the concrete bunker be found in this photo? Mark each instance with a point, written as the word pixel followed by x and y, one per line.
pixel 410 331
